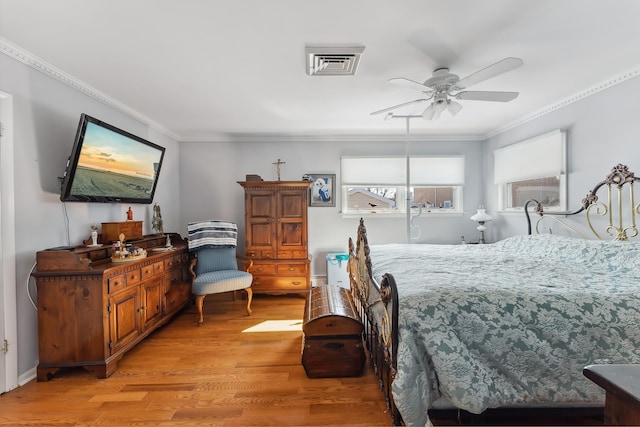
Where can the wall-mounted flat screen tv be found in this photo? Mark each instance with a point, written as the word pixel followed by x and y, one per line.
pixel 108 164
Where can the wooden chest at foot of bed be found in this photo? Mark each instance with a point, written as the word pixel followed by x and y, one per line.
pixel 332 334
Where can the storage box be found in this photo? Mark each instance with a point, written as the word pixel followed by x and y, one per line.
pixel 111 230
pixel 332 334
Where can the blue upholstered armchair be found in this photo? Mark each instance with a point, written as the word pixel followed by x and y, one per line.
pixel 215 267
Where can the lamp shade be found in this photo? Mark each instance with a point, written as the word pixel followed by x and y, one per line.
pixel 453 107
pixel 429 112
pixel 481 216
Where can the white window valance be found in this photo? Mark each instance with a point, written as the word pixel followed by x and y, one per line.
pixel 538 157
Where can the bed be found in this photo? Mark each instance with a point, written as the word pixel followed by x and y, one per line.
pixel 505 325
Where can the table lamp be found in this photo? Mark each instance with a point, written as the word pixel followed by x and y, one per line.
pixel 481 217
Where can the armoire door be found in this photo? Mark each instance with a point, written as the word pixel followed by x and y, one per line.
pixel 292 222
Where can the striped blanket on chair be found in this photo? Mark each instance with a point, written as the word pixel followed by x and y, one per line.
pixel 206 234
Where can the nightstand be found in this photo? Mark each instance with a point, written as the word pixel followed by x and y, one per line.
pixel 622 384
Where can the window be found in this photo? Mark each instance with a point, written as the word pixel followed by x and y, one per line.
pixel 533 169
pixel 379 184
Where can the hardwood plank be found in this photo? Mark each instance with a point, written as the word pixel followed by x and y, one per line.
pixel 214 375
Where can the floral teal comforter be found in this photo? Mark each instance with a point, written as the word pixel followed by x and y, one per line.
pixel 510 323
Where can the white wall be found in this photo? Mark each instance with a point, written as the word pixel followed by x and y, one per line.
pixel 210 171
pixel 46 115
pixel 602 131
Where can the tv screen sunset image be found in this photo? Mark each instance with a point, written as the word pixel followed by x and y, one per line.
pixel 111 164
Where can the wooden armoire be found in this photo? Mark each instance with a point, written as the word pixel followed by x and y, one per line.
pixel 276 235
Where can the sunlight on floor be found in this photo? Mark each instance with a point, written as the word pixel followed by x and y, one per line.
pixel 276 326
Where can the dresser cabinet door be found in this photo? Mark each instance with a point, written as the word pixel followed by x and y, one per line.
pixel 124 319
pixel 152 298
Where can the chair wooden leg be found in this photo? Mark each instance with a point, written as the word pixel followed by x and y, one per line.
pixel 249 298
pixel 199 302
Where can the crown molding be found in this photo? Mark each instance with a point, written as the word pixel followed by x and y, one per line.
pixel 328 138
pixel 39 64
pixel 621 78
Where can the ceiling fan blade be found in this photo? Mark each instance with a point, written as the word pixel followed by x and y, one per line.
pixel 404 104
pixel 400 81
pixel 496 69
pixel 475 95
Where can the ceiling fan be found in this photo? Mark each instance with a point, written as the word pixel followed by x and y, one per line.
pixel 443 87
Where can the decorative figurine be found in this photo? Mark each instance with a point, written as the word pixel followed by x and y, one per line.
pixel 156 221
pixel 94 235
pixel 129 214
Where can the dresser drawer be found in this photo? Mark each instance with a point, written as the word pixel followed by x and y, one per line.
pixel 258 269
pixel 158 267
pixel 292 255
pixel 291 269
pixel 300 255
pixel 268 254
pixel 293 283
pixel 133 277
pixel 121 281
pixel 173 262
pixel 152 269
pixel 274 283
pixel 117 283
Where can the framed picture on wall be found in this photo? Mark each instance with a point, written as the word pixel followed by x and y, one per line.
pixel 323 190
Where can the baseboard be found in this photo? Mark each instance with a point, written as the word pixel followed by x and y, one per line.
pixel 31 374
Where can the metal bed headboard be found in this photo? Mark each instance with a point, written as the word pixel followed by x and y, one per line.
pixel 621 217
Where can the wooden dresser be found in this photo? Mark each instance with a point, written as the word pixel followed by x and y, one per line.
pixel 91 311
pixel 276 235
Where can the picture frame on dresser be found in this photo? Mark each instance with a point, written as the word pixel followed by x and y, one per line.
pixel 322 191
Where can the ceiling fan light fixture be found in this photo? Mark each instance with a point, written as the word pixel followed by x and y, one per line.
pixel 453 107
pixel 440 103
pixel 429 112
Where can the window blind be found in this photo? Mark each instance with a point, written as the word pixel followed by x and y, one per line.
pixel 538 157
pixel 441 170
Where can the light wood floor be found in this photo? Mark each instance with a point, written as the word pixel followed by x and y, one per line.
pixel 212 375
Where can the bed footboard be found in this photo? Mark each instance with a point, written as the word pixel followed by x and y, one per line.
pixel 377 306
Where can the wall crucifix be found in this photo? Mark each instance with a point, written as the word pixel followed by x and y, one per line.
pixel 278 163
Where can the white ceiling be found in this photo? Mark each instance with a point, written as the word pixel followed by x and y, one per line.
pixel 211 69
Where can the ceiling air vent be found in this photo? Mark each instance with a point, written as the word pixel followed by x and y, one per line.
pixel 333 61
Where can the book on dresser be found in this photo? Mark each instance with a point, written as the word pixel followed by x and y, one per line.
pixel 276 235
pixel 93 308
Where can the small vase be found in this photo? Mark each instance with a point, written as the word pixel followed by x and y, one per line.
pixel 94 238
